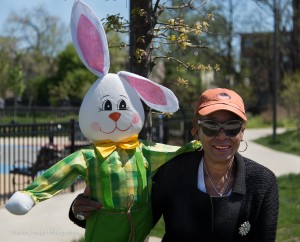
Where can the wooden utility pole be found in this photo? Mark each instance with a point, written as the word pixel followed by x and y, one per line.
pixel 295 45
pixel 275 66
pixel 141 35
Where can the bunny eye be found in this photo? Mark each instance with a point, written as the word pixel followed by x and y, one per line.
pixel 122 105
pixel 107 106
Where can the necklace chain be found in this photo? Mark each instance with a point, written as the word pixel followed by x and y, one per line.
pixel 220 193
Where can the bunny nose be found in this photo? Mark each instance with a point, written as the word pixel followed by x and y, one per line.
pixel 115 116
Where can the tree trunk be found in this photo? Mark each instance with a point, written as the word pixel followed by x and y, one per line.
pixel 141 34
pixel 295 45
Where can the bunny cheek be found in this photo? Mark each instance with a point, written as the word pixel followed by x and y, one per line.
pixel 95 127
pixel 135 119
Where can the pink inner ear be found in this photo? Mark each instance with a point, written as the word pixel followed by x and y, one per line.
pixel 90 43
pixel 148 91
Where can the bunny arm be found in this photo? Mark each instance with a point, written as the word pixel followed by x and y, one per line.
pixel 57 178
pixel 158 154
pixel 121 166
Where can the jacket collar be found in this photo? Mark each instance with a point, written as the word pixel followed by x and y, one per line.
pixel 239 185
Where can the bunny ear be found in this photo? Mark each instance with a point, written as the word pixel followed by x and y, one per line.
pixel 89 39
pixel 154 95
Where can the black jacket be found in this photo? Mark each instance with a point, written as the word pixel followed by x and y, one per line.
pixel 192 215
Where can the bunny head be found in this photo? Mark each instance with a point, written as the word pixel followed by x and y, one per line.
pixel 112 108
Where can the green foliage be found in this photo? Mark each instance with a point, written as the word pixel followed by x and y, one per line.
pixel 290 95
pixel 8 68
pixel 72 79
pixel 35 39
pixel 17 81
pixel 213 64
pixel 256 121
pixel 179 38
pixel 11 71
pixel 118 53
pixel 114 23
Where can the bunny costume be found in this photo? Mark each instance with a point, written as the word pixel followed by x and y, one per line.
pixel 118 167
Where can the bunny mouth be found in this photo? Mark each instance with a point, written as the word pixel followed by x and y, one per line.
pixel 116 128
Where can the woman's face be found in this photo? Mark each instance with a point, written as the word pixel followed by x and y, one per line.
pixel 221 147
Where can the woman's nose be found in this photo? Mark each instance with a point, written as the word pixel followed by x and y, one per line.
pixel 221 133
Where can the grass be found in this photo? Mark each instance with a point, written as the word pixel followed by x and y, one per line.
pixel 289 208
pixel 159 229
pixel 288 142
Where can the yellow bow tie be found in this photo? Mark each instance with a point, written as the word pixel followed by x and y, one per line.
pixel 106 147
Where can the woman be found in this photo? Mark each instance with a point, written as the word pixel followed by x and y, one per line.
pixel 214 194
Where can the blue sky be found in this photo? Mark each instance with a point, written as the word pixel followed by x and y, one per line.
pixel 62 8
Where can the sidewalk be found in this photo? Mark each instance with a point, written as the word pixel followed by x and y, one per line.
pixel 48 221
pixel 278 162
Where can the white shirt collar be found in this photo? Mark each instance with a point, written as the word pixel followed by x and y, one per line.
pixel 201 182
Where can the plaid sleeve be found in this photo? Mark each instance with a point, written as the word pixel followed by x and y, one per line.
pixel 158 154
pixel 58 177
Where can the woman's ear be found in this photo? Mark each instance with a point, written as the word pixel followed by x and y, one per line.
pixel 242 132
pixel 243 127
pixel 194 130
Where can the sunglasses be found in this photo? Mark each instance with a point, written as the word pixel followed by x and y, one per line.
pixel 211 128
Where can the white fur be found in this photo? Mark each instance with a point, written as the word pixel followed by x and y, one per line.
pixel 19 203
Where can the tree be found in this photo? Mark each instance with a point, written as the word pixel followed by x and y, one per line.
pixel 38 37
pixel 295 36
pixel 280 49
pixel 290 96
pixel 11 74
pixel 72 80
pixel 157 30
pixel 7 46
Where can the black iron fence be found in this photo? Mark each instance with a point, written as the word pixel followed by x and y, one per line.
pixel 37 114
pixel 26 150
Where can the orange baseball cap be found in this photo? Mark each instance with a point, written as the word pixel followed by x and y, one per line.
pixel 216 99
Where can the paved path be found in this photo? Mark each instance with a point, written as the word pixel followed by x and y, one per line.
pixel 48 221
pixel 280 163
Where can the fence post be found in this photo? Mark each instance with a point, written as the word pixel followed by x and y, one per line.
pixel 72 148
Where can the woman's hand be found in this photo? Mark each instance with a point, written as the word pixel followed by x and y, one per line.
pixel 83 205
